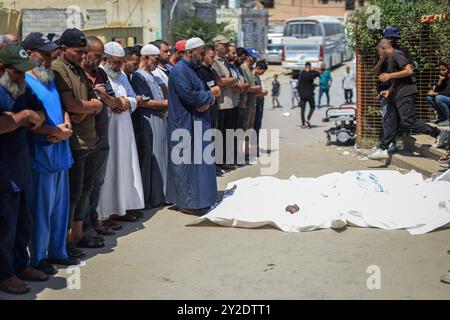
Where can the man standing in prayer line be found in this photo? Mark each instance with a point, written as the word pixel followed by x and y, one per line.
pixel 227 100
pixel 191 184
pixel 161 71
pixel 176 53
pixel 122 189
pixel 150 128
pixel 49 192
pixel 79 100
pixel 19 110
pixel 99 80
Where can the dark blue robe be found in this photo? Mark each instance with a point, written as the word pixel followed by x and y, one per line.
pixel 189 185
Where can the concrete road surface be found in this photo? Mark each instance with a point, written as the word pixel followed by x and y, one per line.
pixel 161 258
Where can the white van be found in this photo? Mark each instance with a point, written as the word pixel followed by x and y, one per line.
pixel 317 39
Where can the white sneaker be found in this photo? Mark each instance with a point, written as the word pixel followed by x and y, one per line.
pixel 380 154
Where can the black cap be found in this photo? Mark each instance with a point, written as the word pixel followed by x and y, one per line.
pixel 72 38
pixel 38 41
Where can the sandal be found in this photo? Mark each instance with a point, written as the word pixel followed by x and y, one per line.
pixel 137 213
pixel 129 217
pixel 90 243
pixel 14 285
pixel 33 275
pixel 75 252
pixel 104 231
pixel 108 223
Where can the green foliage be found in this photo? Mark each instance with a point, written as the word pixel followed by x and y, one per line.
pixel 406 16
pixel 196 27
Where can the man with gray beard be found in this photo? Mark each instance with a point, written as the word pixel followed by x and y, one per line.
pixel 122 189
pixel 191 180
pixel 19 111
pixel 49 192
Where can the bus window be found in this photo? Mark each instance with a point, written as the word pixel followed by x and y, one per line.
pixel 303 30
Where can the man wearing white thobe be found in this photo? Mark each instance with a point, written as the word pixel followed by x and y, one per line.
pixel 122 189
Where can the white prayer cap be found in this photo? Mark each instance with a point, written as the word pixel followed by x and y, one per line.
pixel 149 50
pixel 194 43
pixel 114 49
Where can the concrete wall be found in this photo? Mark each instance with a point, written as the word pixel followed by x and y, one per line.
pixel 287 9
pixel 135 13
pixel 250 25
pixel 44 20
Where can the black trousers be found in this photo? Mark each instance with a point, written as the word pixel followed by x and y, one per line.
pixel 348 95
pixel 91 218
pixel 403 113
pixel 226 121
pixel 312 106
pixel 15 232
pixel 81 177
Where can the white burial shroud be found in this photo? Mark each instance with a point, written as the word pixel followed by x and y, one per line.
pixel 381 199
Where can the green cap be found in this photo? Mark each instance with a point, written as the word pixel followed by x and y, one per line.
pixel 16 57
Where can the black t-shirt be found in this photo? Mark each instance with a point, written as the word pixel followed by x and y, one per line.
pixel 306 83
pixel 381 86
pixel 444 88
pixel 405 86
pixel 209 76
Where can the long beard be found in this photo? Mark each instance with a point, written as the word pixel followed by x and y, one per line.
pixel 197 61
pixel 45 75
pixel 13 88
pixel 114 75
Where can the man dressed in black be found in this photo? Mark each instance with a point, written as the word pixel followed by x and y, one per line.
pixel 306 91
pixel 403 94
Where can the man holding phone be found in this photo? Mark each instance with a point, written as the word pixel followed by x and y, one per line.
pixel 103 89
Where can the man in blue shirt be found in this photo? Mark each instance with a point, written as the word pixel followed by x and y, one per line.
pixel 52 158
pixel 19 110
pixel 325 83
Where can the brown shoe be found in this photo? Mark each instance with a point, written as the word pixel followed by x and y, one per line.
pixel 33 275
pixel 109 223
pixel 128 217
pixel 14 285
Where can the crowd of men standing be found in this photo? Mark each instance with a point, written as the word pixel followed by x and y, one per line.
pixel 85 139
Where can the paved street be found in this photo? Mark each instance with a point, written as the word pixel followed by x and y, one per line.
pixel 161 258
